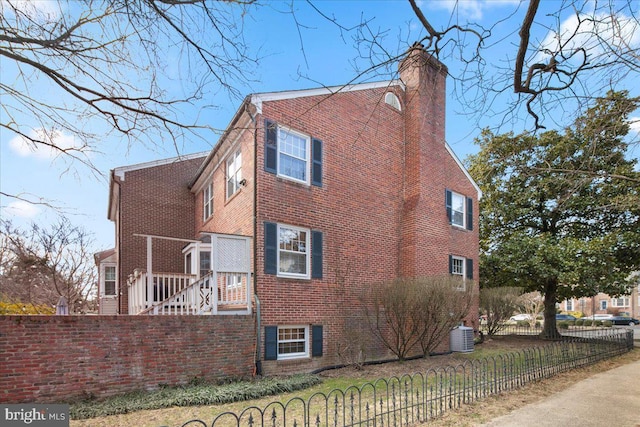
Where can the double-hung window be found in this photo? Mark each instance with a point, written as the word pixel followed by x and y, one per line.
pixel 207 201
pixel 293 155
pixel 459 209
pixel 462 268
pixel 603 304
pixel 457 269
pixel 109 280
pixel 568 304
pixel 234 173
pixel 293 342
pixel 620 302
pixel 293 251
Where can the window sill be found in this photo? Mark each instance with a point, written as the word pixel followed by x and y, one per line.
pixel 233 196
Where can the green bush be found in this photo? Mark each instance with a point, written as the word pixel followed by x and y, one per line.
pixel 588 322
pixel 597 323
pixel 608 323
pixel 579 322
pixel 563 324
pixel 523 323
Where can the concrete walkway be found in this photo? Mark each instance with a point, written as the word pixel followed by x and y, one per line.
pixel 610 398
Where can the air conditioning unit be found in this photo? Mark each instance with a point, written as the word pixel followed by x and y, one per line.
pixel 461 339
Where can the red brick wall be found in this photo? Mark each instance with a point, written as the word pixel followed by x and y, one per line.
pixel 356 208
pixel 232 215
pixel 428 238
pixel 155 200
pixel 50 359
pixel 381 207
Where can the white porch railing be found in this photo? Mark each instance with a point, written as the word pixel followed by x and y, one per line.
pixel 144 294
pixel 181 294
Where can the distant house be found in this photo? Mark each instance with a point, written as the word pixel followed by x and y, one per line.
pixel 628 305
pixel 309 199
pixel 107 283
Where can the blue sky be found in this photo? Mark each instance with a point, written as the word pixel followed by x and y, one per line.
pixel 313 54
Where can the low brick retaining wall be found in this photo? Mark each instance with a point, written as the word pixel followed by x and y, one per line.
pixel 52 359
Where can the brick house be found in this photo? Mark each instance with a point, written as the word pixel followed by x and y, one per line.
pixel 309 198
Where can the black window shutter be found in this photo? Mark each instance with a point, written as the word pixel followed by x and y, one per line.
pixel 448 202
pixel 271 147
pixel 270 248
pixel 469 268
pixel 316 163
pixel 270 343
pixel 316 343
pixel 450 264
pixel 469 213
pixel 316 254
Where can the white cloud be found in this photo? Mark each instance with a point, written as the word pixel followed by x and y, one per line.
pixel 592 33
pixel 42 11
pixel 469 9
pixel 21 209
pixel 634 124
pixel 25 148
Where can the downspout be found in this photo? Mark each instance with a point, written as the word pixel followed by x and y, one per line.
pixel 258 360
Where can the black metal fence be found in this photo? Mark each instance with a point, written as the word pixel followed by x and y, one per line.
pixel 418 398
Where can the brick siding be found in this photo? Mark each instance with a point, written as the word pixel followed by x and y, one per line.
pixel 53 359
pixel 154 200
pixel 381 207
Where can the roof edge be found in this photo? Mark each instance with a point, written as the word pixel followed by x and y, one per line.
pixel 464 170
pixel 258 98
pixel 120 171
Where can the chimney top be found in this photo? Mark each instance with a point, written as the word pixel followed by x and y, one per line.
pixel 417 56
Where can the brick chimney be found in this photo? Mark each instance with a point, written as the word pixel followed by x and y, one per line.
pixel 424 223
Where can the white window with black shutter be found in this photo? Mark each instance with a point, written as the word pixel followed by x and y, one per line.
pixel 461 267
pixel 459 209
pixel 292 342
pixel 292 155
pixel 292 252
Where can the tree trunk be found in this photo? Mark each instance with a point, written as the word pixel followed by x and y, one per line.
pixel 550 331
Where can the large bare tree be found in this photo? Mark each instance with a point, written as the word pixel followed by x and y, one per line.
pixel 127 69
pixel 533 64
pixel 39 265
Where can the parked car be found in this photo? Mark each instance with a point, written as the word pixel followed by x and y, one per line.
pixel 565 317
pixel 623 320
pixel 521 316
pixel 599 317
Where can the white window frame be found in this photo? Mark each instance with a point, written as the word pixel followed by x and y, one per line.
pixel 603 304
pixel 463 212
pixel 462 271
pixel 233 280
pixel 391 99
pixel 234 173
pixel 568 305
pixel 307 252
pixel 207 201
pixel 297 355
pixel 192 261
pixel 103 280
pixel 307 159
pixel 615 302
